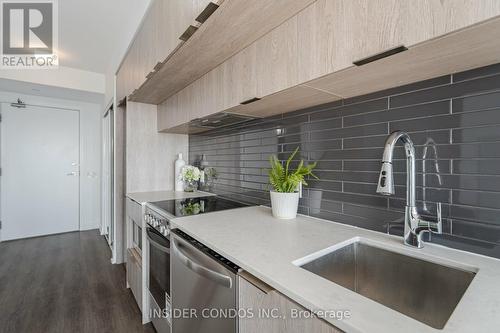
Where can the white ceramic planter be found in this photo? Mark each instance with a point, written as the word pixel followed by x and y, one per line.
pixel 284 205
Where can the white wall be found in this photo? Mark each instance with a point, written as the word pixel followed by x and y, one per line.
pixel 150 155
pixel 90 152
pixel 64 77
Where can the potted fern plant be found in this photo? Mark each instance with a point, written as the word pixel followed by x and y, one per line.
pixel 285 185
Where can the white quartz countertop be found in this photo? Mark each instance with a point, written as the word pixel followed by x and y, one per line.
pixel 144 197
pixel 267 247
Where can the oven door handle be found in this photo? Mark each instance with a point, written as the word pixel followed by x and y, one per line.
pixel 214 276
pixel 156 244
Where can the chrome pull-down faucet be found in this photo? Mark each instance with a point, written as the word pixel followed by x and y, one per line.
pixel 414 225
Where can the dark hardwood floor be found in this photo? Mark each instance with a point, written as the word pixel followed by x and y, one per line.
pixel 64 283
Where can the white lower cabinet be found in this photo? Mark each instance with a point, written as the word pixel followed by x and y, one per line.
pixel 263 309
pixel 134 275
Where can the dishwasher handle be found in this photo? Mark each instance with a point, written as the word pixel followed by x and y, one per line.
pixel 214 276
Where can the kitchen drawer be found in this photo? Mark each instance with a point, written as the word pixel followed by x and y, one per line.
pixel 134 275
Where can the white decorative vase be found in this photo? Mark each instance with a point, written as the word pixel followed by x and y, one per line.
pixel 178 165
pixel 284 205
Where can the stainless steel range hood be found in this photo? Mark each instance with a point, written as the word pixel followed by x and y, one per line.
pixel 218 120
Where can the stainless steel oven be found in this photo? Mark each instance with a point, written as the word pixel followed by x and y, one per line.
pixel 158 282
pixel 197 277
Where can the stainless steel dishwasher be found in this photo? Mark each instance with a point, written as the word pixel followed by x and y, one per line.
pixel 204 288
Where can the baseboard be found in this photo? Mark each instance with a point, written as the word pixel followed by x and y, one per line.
pixel 89 226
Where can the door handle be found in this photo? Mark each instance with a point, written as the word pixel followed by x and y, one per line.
pixel 72 173
pixel 216 277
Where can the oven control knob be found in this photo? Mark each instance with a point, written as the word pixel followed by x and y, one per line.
pixel 166 232
pixel 162 229
pixel 155 222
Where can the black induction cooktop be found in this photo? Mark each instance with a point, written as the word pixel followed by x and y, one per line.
pixel 195 206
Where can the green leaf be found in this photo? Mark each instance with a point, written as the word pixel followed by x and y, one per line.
pixel 282 179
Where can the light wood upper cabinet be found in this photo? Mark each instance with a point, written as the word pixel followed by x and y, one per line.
pixel 210 98
pixel 200 5
pixel 267 66
pixel 121 84
pixel 173 17
pixel 177 16
pixel 428 19
pixel 277 59
pixel 239 77
pixel 144 47
pixel 185 104
pixel 168 114
pixel 334 33
pixel 264 298
pixel 158 36
pixel 201 98
pixel 309 58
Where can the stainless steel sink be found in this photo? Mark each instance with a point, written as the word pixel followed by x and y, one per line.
pixel 423 290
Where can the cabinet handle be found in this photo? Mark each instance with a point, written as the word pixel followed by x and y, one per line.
pixel 251 100
pixel 157 66
pixel 188 33
pixel 207 12
pixel 122 102
pixel 381 55
pixel 264 287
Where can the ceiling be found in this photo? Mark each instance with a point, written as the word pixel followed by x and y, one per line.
pixel 94 34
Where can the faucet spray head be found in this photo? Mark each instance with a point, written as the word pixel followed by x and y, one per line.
pixel 386 180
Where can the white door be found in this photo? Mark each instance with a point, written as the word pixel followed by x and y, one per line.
pixel 40 171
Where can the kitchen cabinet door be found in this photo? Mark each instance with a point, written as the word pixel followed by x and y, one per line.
pixel 427 19
pixel 121 82
pixel 126 76
pixel 262 299
pixel 200 5
pixel 147 44
pixel 277 59
pixel 178 16
pixel 209 95
pixel 239 77
pixel 134 275
pixel 185 104
pixel 332 34
pixel 133 65
pixel 161 45
pixel 169 115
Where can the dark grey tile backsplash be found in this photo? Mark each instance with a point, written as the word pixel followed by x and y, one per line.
pixel 454 121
